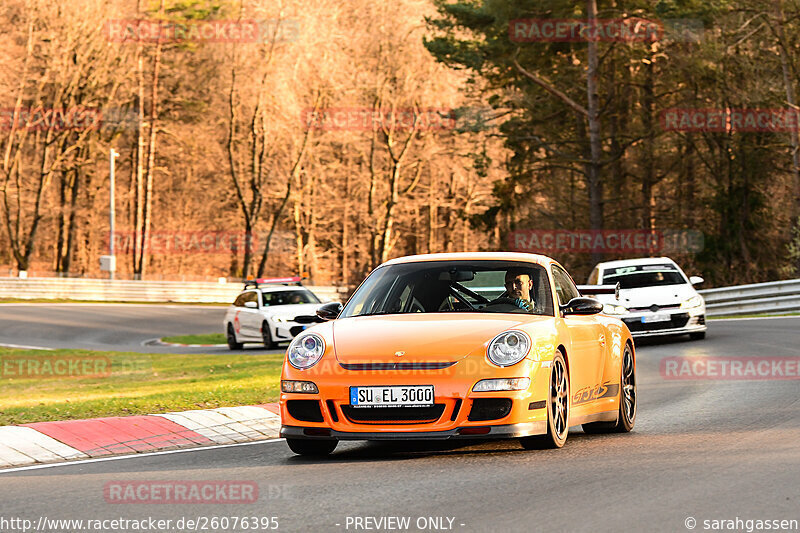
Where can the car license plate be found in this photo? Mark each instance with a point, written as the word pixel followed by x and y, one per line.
pixel 392 396
pixel 659 317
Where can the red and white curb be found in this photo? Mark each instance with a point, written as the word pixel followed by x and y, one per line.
pixel 52 442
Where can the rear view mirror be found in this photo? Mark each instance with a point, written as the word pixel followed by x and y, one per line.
pixel 457 275
pixel 329 311
pixel 582 306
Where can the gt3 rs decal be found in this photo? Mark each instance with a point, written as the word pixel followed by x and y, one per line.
pixel 587 394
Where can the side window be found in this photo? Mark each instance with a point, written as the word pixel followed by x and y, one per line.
pixel 593 277
pixel 251 296
pixel 239 302
pixel 565 288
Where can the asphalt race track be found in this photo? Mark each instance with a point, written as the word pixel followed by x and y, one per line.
pixel 701 450
pixel 117 327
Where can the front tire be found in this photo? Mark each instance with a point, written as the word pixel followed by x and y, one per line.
pixel 627 400
pixel 267 336
pixel 230 336
pixel 312 448
pixel 557 409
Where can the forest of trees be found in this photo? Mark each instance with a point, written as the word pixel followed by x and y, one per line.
pixel 340 134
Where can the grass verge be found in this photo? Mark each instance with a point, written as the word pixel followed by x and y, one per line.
pixel 35 387
pixel 208 338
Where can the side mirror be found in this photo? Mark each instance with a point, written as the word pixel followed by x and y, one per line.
pixel 582 306
pixel 251 305
pixel 329 311
pixel 307 319
pixel 696 280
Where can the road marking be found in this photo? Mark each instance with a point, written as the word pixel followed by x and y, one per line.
pixel 132 456
pixel 25 347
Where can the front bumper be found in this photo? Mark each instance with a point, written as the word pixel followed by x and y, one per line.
pixel 680 323
pixel 286 331
pixel 506 431
pixel 455 406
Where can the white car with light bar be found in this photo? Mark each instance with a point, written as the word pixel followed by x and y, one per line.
pixel 266 312
pixel 656 297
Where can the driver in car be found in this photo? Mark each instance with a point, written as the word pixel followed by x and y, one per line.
pixel 518 288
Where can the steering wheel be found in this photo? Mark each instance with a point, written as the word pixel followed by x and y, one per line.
pixel 505 303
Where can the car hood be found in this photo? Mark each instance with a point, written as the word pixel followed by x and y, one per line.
pixel 647 296
pixel 423 337
pixel 292 310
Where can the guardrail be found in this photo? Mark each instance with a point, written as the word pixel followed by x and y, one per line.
pixel 103 290
pixel 776 297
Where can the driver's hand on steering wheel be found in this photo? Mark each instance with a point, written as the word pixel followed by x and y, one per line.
pixel 523 304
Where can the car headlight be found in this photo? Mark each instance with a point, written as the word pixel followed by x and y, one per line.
pixel 306 350
pixel 694 301
pixel 613 309
pixel 508 348
pixel 503 384
pixel 302 387
pixel 282 318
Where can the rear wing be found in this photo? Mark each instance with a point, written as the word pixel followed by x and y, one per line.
pixel 592 290
pixel 255 283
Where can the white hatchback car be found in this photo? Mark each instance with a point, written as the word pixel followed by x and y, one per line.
pixel 655 298
pixel 266 314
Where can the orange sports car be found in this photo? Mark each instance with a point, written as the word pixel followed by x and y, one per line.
pixel 461 345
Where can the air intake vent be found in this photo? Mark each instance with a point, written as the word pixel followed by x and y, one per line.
pixel 332 410
pixel 489 409
pixel 399 415
pixel 305 410
pixel 396 366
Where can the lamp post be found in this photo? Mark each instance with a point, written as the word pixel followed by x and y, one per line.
pixel 110 263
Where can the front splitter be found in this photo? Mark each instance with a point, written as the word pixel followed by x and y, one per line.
pixel 507 431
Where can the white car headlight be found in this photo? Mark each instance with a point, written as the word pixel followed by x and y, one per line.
pixel 306 350
pixel 694 301
pixel 509 348
pixel 503 384
pixel 613 309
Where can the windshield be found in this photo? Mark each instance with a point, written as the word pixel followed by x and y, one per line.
pixel 634 277
pixel 294 296
pixel 451 286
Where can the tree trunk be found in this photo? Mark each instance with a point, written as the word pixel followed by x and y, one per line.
pixel 151 156
pixel 593 119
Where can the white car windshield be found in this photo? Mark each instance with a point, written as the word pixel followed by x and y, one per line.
pixel 289 297
pixel 638 276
